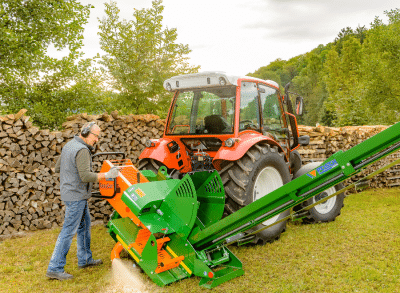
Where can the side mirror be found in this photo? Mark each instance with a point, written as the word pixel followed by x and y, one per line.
pixel 299 105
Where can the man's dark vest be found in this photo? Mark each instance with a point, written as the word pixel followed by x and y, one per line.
pixel 72 188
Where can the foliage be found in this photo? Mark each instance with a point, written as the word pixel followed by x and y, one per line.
pixel 49 88
pixel 140 56
pixel 351 81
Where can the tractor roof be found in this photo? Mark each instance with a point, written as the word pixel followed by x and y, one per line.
pixel 207 79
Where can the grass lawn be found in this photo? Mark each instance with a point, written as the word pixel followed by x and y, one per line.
pixel 359 252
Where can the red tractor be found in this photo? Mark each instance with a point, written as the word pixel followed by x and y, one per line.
pixel 244 128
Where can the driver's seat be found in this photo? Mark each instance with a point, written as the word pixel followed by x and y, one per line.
pixel 215 124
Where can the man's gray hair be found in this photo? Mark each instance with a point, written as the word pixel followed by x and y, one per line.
pixel 90 125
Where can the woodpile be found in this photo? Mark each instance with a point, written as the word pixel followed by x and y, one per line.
pixel 29 189
pixel 325 141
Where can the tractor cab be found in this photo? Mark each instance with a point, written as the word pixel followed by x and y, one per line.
pixel 216 118
pixel 203 111
pixel 213 104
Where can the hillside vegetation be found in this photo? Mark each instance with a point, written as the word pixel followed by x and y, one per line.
pixel 355 80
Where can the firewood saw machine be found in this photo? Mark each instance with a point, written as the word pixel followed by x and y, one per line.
pixel 173 227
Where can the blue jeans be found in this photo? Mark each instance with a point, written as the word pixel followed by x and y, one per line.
pixel 76 220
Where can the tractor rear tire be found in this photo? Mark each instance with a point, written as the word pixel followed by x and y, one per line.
pixel 260 171
pixel 150 164
pixel 153 165
pixel 328 210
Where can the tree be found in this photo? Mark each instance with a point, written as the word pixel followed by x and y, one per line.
pixel 382 69
pixel 49 88
pixel 346 33
pixel 345 85
pixel 140 56
pixel 310 84
pixel 363 80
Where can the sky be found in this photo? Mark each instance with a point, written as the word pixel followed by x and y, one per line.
pixel 239 37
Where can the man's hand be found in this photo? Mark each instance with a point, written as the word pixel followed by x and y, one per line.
pixel 112 173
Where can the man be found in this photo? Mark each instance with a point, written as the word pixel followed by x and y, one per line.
pixel 76 179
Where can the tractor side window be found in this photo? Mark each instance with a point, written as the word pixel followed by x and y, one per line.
pixel 249 110
pixel 271 110
pixel 181 113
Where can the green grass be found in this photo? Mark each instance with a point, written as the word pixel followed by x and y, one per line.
pixel 359 252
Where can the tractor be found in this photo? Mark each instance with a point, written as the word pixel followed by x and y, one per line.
pixel 244 128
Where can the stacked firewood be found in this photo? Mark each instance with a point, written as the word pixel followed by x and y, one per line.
pixel 29 188
pixel 325 141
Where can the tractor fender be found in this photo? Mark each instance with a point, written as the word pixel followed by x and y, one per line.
pixel 241 146
pixel 160 152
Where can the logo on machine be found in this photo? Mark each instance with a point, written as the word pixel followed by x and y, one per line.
pixel 140 192
pixel 312 174
pixel 323 169
pixel 106 186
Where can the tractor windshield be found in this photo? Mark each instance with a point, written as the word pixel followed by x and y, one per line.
pixel 203 111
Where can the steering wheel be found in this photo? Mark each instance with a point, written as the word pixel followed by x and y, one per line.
pixel 250 125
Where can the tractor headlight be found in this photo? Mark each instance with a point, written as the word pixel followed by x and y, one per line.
pixel 222 81
pixel 149 143
pixel 168 86
pixel 229 142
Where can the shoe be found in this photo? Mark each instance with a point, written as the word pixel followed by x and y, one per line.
pixel 59 276
pixel 92 263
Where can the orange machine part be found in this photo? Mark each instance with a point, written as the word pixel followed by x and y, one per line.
pixel 128 176
pixel 141 240
pixel 165 261
pixel 116 251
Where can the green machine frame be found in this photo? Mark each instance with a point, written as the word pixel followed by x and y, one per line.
pixel 189 212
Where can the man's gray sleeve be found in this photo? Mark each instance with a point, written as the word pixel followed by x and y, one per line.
pixel 83 164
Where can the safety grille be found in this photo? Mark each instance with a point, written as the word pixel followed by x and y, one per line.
pixel 213 186
pixel 185 189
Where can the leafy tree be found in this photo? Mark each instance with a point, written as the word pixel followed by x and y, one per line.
pixel 140 56
pixel 359 33
pixel 310 84
pixel 344 84
pixel 363 80
pixel 49 88
pixel 381 69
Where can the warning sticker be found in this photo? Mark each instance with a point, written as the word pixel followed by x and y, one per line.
pixel 140 192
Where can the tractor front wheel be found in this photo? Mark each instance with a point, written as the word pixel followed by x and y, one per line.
pixel 260 171
pixel 326 211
